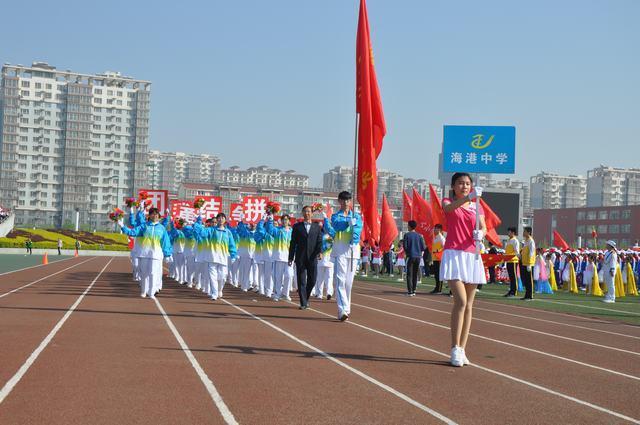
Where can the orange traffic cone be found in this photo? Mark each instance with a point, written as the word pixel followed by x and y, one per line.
pixel 76 253
pixel 45 259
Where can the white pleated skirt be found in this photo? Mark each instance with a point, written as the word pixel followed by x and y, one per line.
pixel 464 266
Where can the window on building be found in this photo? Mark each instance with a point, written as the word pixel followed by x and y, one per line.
pixel 602 228
pixel 625 243
pixel 626 214
pixel 580 229
pixel 602 215
pixel 614 228
pixel 591 215
pixel 614 215
pixel 625 228
pixel 581 215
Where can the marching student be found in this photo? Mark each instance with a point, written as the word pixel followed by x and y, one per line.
pixel 527 260
pixel 178 241
pixel 376 260
pixel 609 266
pixel 264 242
pixel 437 247
pixel 325 269
pixel 401 262
pixel 135 218
pixel 246 253
pixel 344 227
pixel 461 267
pixel 512 248
pixel 282 271
pixel 190 251
pixel 154 246
pixel 218 247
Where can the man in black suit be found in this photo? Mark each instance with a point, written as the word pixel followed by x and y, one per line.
pixel 305 247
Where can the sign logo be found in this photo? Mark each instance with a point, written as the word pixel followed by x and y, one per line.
pixel 476 141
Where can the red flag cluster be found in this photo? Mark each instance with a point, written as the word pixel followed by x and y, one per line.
pixel 428 214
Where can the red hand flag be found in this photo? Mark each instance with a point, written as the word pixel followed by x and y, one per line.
pixel 388 227
pixel 436 207
pixel 423 215
pixel 371 129
pixel 492 221
pixel 558 241
pixel 407 207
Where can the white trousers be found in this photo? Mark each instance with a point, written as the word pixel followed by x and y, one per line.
pixel 254 277
pixel 234 270
pixel 267 277
pixel 135 265
pixel 344 269
pixel 324 279
pixel 611 286
pixel 191 268
pixel 151 276
pixel 283 274
pixel 180 267
pixel 216 277
pixel 244 265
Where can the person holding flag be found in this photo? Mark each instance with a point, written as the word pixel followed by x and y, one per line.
pixel 344 227
pixel 461 266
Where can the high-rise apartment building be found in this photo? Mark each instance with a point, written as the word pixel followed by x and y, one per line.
pixel 609 186
pixel 168 170
pixel 70 143
pixel 552 191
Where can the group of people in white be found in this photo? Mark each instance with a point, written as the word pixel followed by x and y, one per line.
pixel 207 254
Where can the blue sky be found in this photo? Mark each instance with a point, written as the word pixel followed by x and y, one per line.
pixel 259 82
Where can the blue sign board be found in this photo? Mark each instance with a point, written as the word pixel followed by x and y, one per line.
pixel 479 149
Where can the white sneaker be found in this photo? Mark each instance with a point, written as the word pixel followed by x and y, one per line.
pixel 456 356
pixel 276 299
pixel 608 301
pixel 143 295
pixel 465 360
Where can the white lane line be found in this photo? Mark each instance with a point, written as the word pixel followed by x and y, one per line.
pixel 520 307
pixel 11 383
pixel 509 344
pixel 213 392
pixel 346 366
pixel 36 266
pixel 43 278
pixel 519 328
pixel 492 371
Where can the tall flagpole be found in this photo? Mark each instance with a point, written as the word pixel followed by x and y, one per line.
pixel 354 173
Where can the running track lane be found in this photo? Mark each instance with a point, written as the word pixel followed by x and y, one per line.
pixel 28 315
pixel 467 395
pixel 101 367
pixel 598 387
pixel 265 377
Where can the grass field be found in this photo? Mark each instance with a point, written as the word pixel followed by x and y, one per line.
pixel 11 262
pixel 625 309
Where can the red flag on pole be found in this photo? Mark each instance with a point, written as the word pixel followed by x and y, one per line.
pixel 436 207
pixel 558 241
pixel 407 207
pixel 388 227
pixel 423 216
pixel 329 210
pixel 371 128
pixel 492 221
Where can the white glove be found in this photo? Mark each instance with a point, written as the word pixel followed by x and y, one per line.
pixel 353 221
pixel 528 268
pixel 169 259
pixel 478 235
pixel 168 212
pixel 131 211
pixel 324 214
pixel 475 193
pixel 121 223
pixel 612 272
pixel 234 259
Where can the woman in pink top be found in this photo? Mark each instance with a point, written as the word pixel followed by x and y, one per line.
pixel 460 266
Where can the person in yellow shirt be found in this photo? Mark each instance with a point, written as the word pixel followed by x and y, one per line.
pixel 512 247
pixel 527 260
pixel 436 255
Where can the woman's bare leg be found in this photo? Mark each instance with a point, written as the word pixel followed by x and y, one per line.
pixel 468 313
pixel 457 311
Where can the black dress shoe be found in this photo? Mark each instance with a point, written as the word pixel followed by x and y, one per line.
pixel 328 297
